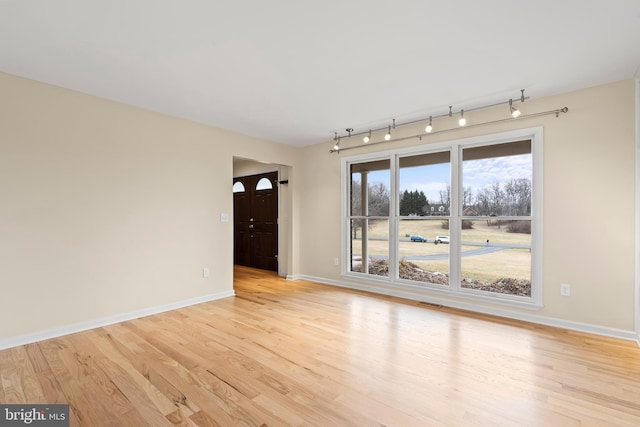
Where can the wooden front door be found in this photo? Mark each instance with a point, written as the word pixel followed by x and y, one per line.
pixel 255 215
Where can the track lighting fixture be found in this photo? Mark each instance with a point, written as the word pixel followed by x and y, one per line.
pixel 515 113
pixel 429 127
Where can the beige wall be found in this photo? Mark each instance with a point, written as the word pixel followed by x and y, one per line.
pixel 107 209
pixel 588 221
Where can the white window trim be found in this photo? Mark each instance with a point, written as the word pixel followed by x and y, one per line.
pixel 536 136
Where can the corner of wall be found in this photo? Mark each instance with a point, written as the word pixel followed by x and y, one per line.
pixel 637 213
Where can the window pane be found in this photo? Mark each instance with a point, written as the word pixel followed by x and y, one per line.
pixel 424 250
pixel 378 247
pixel 496 256
pixel 496 180
pixel 356 194
pixel 370 245
pixel 357 248
pixel 264 184
pixel 425 185
pixel 238 187
pixel 376 177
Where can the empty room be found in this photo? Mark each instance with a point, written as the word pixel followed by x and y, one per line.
pixel 319 213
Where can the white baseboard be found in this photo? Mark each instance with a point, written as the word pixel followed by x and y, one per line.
pixel 98 323
pixel 470 306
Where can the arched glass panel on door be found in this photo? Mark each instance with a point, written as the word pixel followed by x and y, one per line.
pixel 264 184
pixel 238 187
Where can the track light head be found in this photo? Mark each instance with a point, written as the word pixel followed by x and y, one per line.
pixel 429 127
pixel 336 147
pixel 388 134
pixel 462 120
pixel 515 113
pixel 367 137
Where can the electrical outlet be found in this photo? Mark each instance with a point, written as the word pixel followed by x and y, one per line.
pixel 336 261
pixel 205 272
pixel 565 289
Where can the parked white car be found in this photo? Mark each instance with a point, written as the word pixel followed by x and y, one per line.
pixel 441 239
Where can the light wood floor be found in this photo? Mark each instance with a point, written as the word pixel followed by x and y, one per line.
pixel 298 353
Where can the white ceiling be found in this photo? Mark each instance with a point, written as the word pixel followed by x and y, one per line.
pixel 295 71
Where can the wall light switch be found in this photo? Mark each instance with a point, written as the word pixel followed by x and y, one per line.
pixel 224 217
pixel 205 272
pixel 565 289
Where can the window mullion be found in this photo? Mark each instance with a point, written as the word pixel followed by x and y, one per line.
pixel 393 220
pixel 364 196
pixel 454 219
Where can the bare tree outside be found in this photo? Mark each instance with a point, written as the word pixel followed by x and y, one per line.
pixel 512 198
pixel 445 196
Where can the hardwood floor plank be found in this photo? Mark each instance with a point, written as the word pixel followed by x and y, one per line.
pixel 79 403
pixel 166 396
pixel 51 390
pixel 89 359
pixel 2 396
pixel 239 406
pixel 202 419
pixel 10 379
pixel 141 404
pixel 27 376
pixel 196 396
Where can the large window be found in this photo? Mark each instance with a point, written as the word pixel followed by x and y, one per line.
pixel 459 217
